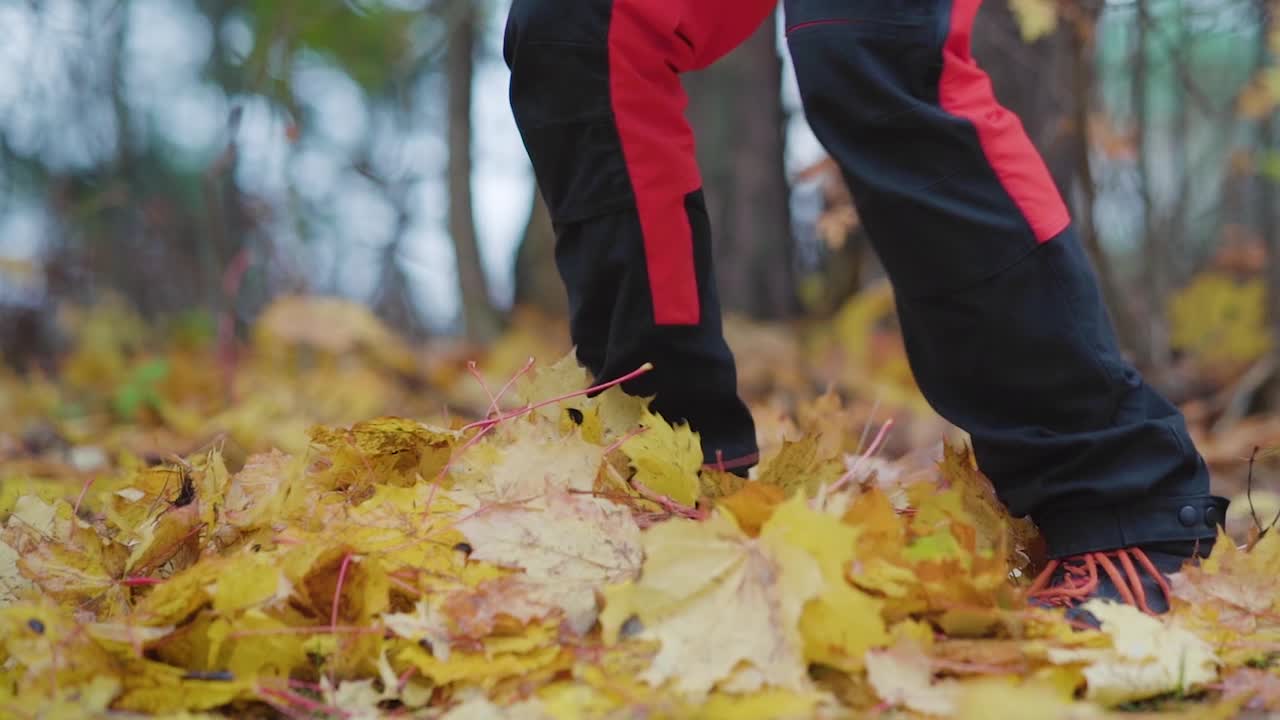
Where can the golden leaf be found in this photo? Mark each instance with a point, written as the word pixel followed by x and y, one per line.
pixel 801 467
pixel 388 449
pixel 1036 18
pixel 1001 699
pixel 753 505
pixel 483 669
pixel 666 459
pixel 1220 320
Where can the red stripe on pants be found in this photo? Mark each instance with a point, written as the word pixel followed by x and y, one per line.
pixel 650 43
pixel 965 91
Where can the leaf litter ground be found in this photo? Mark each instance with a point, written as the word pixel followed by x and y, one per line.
pixel 566 556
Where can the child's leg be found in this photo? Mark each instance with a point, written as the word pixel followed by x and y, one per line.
pixel 596 93
pixel 1004 325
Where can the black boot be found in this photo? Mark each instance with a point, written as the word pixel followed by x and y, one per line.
pixel 1137 576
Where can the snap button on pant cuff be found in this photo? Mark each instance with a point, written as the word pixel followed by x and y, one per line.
pixel 1166 519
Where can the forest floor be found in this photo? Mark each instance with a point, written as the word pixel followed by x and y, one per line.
pixel 327 521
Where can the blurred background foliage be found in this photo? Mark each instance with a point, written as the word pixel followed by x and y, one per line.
pixel 206 205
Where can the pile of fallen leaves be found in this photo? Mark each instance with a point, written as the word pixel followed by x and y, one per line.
pixel 563 554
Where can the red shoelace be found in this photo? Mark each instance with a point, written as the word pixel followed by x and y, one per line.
pixel 1080 578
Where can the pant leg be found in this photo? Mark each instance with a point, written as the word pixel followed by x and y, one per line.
pixel 1003 321
pixel 596 94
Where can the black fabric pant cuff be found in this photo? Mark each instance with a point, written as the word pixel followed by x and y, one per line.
pixel 1153 520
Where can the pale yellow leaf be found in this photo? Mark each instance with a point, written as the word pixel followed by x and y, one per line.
pixel 534 463
pixel 714 597
pixel 571 546
pixel 1001 699
pixel 903 677
pixel 1148 657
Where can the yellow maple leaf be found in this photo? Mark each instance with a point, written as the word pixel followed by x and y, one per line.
pixel 356 699
pixel 619 412
pixel 533 463
pixel 571 545
pixel 34 514
pixel 164 537
pixel 479 707
pixel 764 705
pixel 1148 657
pixel 713 598
pixel 602 418
pixel 210 480
pixel 575 700
pixel 1220 320
pixel 160 689
pixel 752 505
pixel 880 566
pixel 83 569
pixel 826 419
pixel 181 595
pixel 612 674
pixel 387 450
pixel 715 483
pixel 426 622
pixel 485 669
pixel 89 701
pixel 903 676
pixel 13 586
pixel 474 613
pixel 842 622
pixel 1241 589
pixel 147 492
pixel 249 581
pixel 563 377
pixel 667 459
pixel 880 528
pixel 255 644
pixel 50 645
pixel 14 489
pixel 315 572
pixel 801 466
pixel 981 509
pixel 254 496
pixel 1001 699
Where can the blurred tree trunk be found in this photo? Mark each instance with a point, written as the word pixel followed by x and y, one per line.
pixel 1269 226
pixel 1268 221
pixel 1045 112
pixel 479 315
pixel 1154 347
pixel 1057 122
pixel 1081 33
pixel 736 110
pixel 538 283
pixel 393 301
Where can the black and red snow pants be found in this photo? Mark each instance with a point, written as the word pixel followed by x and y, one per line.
pixel 1005 329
